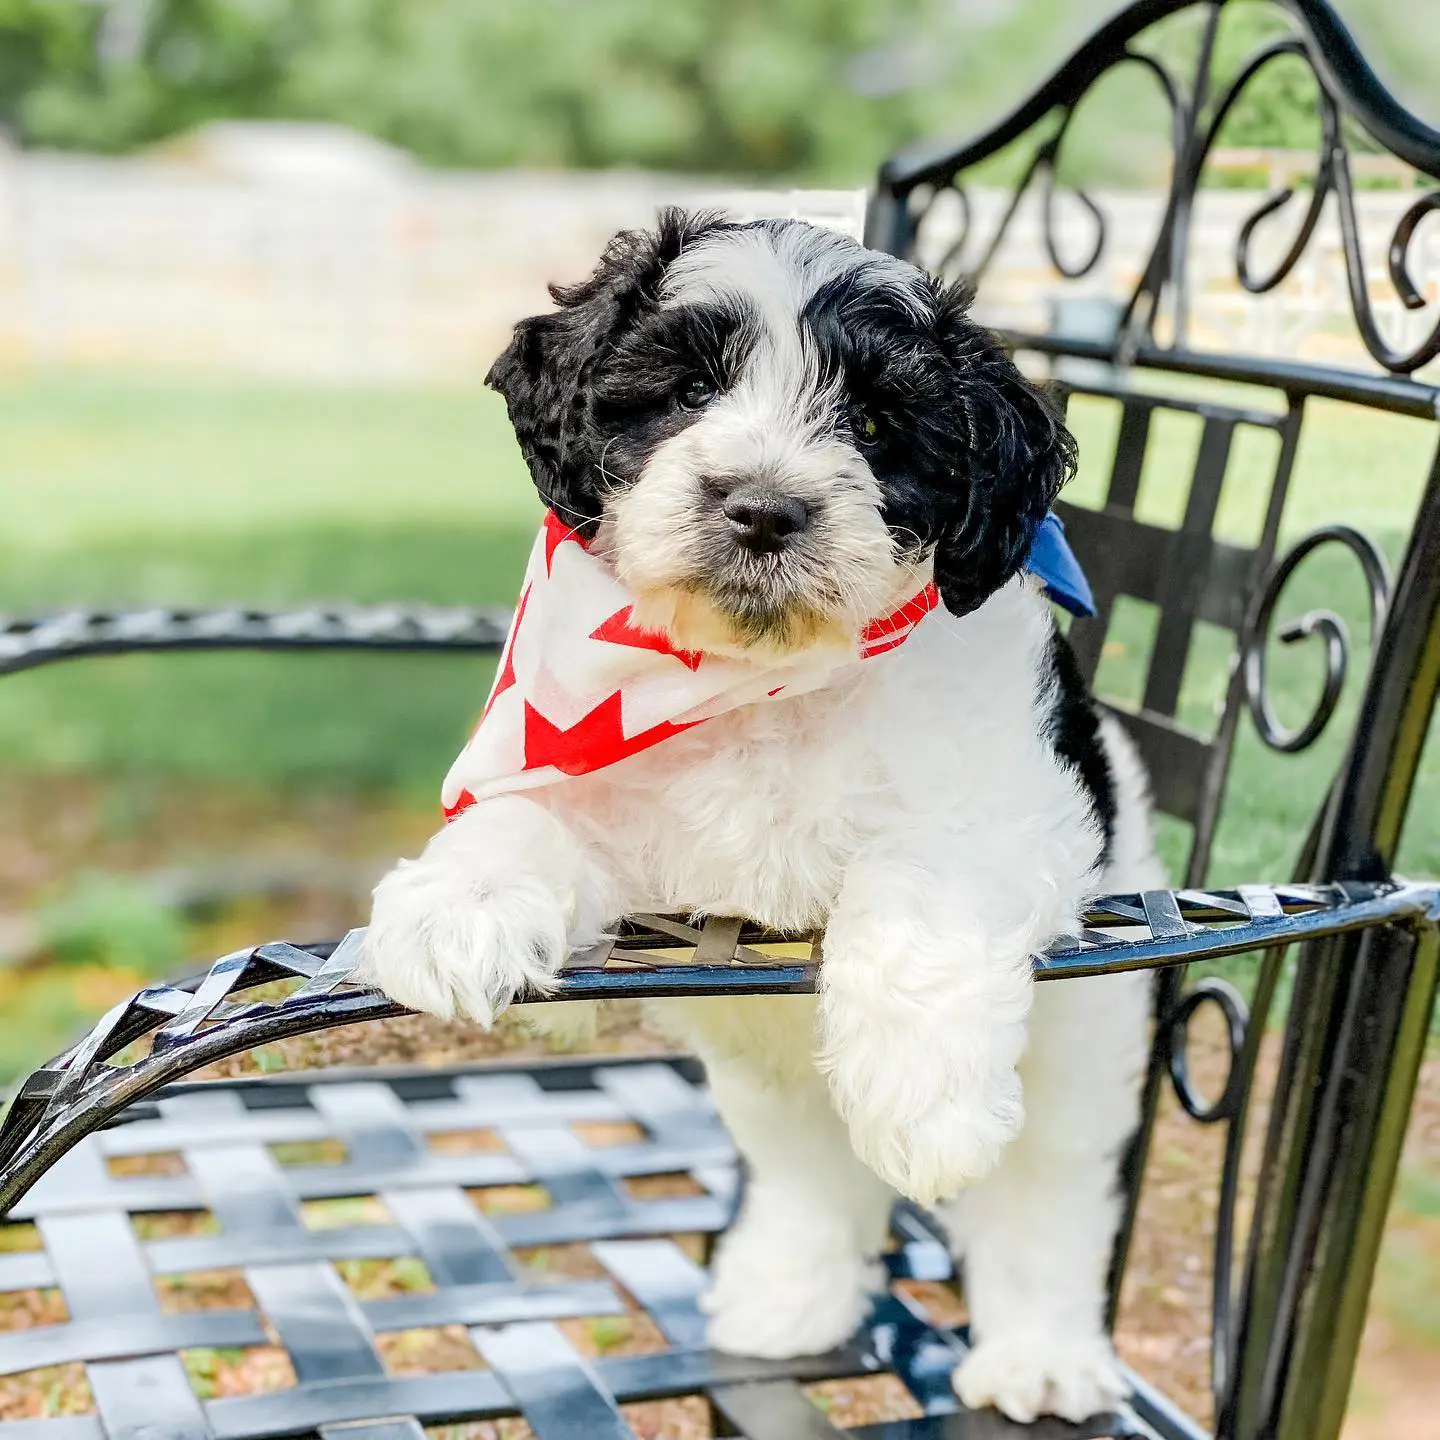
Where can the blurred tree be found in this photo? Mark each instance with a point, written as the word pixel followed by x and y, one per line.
pixel 152 68
pixel 1279 108
pixel 817 89
pixel 38 40
pixel 745 86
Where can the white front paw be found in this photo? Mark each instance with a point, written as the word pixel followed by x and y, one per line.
pixel 441 943
pixel 929 1152
pixel 921 1033
pixel 1027 1374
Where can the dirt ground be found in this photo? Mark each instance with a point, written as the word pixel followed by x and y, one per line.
pixel 1164 1322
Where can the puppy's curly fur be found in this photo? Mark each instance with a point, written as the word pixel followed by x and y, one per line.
pixel 944 810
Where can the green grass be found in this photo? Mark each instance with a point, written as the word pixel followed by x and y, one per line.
pixel 94 458
pixel 123 492
pixel 131 491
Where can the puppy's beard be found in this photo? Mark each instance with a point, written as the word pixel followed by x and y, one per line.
pixel 686 581
pixel 695 620
pixel 672 548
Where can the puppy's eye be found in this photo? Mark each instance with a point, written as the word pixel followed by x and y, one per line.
pixel 695 392
pixel 864 425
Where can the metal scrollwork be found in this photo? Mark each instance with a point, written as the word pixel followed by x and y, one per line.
pixel 1228 1001
pixel 1399 256
pixel 1230 1106
pixel 1097 215
pixel 1332 177
pixel 1044 164
pixel 1347 92
pixel 1330 136
pixel 957 247
pixel 1245 1027
pixel 1398 362
pixel 1324 624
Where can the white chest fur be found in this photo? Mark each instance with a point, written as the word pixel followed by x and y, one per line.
pixel 760 812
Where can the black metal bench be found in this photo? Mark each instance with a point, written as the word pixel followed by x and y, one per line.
pixel 1286 1328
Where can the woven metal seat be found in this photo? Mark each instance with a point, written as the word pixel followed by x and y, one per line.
pixel 287 1183
pixel 224 1173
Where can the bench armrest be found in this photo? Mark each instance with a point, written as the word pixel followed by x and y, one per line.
pixel 195 1022
pixel 71 634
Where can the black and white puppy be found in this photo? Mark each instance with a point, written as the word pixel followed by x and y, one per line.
pixel 775 436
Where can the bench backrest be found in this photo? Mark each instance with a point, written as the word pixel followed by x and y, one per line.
pixel 1136 350
pixel 1282 1348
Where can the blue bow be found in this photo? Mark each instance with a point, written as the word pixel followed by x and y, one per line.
pixel 1054 562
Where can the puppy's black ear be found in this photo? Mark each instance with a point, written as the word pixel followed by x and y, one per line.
pixel 545 372
pixel 1016 456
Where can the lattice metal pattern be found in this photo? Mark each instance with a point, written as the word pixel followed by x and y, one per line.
pixel 1189 575
pixel 259 1219
pixel 26 643
pixel 192 1024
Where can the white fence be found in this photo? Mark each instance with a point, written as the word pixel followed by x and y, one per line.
pixel 414 275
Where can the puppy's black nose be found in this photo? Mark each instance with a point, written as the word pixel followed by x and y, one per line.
pixel 763 521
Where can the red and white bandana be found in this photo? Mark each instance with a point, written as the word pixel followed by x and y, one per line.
pixel 580 688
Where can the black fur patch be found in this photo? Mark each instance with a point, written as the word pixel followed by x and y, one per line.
pixel 636 406
pixel 968 454
pixel 1073 728
pixel 547 373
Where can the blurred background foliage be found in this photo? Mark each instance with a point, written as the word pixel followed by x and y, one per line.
pixel 138 489
pixel 157 811
pixel 812 90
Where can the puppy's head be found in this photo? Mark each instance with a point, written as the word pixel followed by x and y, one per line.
pixel 773 433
